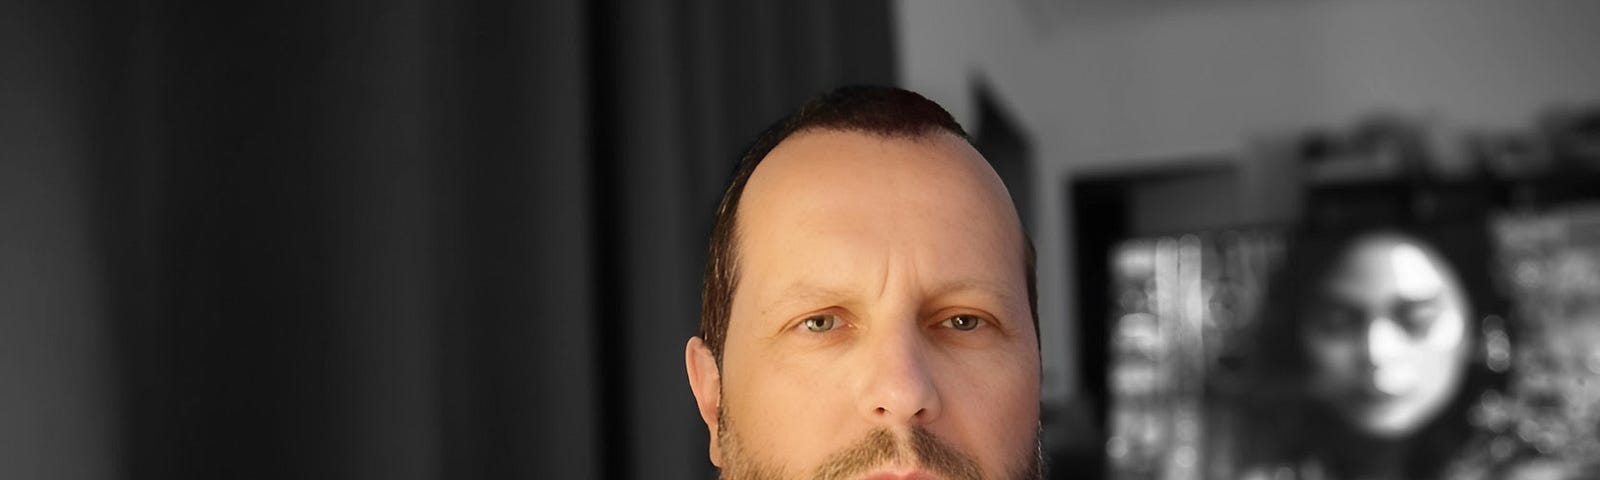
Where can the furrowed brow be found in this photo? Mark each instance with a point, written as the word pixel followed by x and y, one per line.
pixel 980 287
pixel 804 295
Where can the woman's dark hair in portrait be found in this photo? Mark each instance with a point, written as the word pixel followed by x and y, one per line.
pixel 1287 426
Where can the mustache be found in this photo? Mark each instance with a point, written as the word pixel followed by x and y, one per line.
pixel 882 447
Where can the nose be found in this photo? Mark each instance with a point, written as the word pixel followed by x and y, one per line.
pixel 1385 342
pixel 898 387
pixel 1386 346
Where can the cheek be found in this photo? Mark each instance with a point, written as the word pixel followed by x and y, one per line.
pixel 787 412
pixel 1444 349
pixel 1447 333
pixel 991 410
pixel 998 391
pixel 1331 355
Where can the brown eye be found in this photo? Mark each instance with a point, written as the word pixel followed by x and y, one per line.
pixel 821 323
pixel 964 322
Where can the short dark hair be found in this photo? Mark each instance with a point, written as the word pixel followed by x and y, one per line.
pixel 882 111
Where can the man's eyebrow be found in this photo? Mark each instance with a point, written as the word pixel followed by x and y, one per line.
pixel 996 289
pixel 803 294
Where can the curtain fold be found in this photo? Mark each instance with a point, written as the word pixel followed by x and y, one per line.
pixel 418 239
pixel 56 384
pixel 692 83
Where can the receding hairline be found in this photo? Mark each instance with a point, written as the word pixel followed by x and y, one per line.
pixel 979 169
pixel 927 136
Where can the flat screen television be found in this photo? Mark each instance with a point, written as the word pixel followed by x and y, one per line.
pixel 1445 350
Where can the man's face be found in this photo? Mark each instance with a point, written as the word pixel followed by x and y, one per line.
pixel 881 326
pixel 1387 336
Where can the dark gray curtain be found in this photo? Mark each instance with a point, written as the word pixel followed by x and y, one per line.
pixel 408 239
pixel 686 86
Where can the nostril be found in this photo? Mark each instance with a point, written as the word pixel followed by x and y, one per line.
pixel 881 411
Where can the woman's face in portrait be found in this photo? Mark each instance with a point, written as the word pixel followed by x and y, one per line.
pixel 1386 335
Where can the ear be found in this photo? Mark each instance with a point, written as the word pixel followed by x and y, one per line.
pixel 706 381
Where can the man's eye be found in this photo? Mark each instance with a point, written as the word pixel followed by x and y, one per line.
pixel 821 323
pixel 964 322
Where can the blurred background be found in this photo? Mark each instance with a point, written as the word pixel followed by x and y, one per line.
pixel 464 239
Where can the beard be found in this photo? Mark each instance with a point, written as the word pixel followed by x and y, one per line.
pixel 879 447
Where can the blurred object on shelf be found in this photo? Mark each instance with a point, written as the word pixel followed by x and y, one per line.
pixel 1550 413
pixel 1511 155
pixel 1378 148
pixel 1394 147
pixel 1574 136
pixel 1393 168
pixel 1181 304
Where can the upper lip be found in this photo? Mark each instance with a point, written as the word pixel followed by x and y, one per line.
pixel 887 474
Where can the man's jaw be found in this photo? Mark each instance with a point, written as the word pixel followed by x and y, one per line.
pixel 911 454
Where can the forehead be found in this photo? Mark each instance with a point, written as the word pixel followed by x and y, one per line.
pixel 1388 265
pixel 828 206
